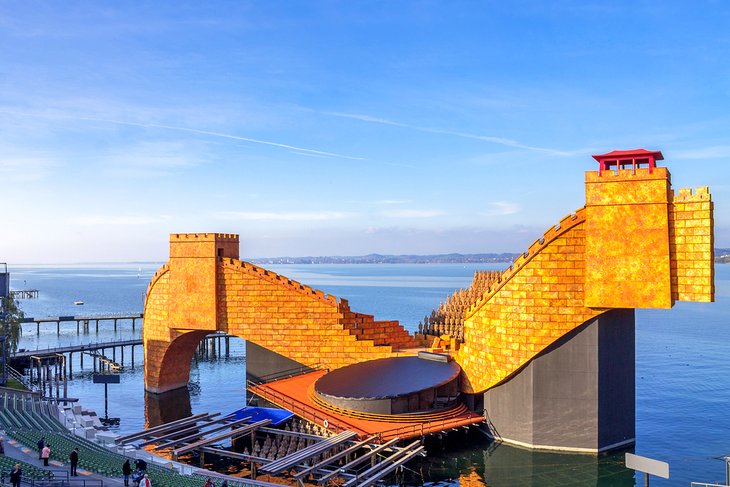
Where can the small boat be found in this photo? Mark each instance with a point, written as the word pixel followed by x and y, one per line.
pixel 78 303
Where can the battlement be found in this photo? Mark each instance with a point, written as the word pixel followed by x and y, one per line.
pixel 535 248
pixel 638 174
pixel 275 278
pixel 687 195
pixel 204 237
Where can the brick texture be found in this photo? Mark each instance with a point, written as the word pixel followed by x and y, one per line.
pixel 268 309
pixel 634 245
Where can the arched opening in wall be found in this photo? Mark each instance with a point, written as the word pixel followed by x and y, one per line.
pixel 207 369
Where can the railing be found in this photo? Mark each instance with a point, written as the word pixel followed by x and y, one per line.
pixel 78 348
pixel 68 483
pixel 297 407
pixel 431 426
pixel 23 379
pixel 287 374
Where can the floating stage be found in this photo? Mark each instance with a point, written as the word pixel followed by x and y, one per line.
pixel 395 385
pixel 403 397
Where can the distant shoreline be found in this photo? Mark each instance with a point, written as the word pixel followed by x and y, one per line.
pixel 722 256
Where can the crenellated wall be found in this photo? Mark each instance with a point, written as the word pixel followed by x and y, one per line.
pixel 538 299
pixel 692 245
pixel 279 314
pixel 554 330
pixel 634 245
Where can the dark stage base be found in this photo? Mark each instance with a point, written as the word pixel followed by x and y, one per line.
pixel 391 385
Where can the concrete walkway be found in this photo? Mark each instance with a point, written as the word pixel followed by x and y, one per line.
pixel 20 452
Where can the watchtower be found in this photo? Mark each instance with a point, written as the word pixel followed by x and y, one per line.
pixel 628 197
pixel 193 259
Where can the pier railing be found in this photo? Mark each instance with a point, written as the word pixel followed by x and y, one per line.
pixel 287 374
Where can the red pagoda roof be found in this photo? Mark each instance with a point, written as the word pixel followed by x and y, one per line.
pixel 630 154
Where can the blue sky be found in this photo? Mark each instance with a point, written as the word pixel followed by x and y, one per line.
pixel 342 128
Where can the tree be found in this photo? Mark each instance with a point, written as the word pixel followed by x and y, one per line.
pixel 11 317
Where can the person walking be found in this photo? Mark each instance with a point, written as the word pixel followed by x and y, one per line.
pixel 126 472
pixel 41 444
pixel 146 482
pixel 45 454
pixel 2 446
pixel 209 483
pixel 15 475
pixel 74 458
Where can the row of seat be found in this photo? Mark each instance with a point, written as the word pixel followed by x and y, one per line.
pixel 27 420
pixel 7 465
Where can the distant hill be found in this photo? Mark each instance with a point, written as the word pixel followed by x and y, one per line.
pixel 722 256
pixel 392 259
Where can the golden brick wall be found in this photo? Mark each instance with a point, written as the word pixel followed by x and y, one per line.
pixel 193 268
pixel 635 245
pixel 270 310
pixel 537 301
pixel 692 245
pixel 627 239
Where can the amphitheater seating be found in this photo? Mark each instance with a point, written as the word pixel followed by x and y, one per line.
pixel 29 471
pixel 27 419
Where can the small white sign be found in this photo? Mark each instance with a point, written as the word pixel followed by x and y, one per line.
pixel 647 465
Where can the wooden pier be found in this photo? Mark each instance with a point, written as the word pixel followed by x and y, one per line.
pixel 50 368
pixel 25 294
pixel 83 322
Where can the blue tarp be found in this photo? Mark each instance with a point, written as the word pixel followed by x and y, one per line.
pixel 277 416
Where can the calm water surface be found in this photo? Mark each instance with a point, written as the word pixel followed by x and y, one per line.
pixel 682 370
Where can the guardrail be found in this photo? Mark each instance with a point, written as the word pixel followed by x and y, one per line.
pixel 297 407
pixel 287 374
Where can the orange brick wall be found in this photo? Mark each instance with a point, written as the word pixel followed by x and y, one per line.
pixel 270 310
pixel 627 239
pixel 692 246
pixel 193 267
pixel 536 302
pixel 635 245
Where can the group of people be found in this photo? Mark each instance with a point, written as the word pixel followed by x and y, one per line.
pixel 44 453
pixel 139 476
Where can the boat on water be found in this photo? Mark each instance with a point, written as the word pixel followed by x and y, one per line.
pixel 78 303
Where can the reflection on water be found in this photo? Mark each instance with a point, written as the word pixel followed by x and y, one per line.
pixel 167 407
pixel 466 459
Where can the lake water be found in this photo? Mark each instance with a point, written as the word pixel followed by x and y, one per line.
pixel 682 369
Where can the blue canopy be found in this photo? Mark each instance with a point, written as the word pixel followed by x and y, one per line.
pixel 277 416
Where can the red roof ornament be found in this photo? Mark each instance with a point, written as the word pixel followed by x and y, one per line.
pixel 621 159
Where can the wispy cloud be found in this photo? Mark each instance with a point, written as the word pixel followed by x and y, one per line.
pixel 501 208
pixel 486 138
pixel 283 216
pixel 210 133
pixel 412 213
pixel 94 220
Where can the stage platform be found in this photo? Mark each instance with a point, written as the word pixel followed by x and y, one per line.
pixel 297 395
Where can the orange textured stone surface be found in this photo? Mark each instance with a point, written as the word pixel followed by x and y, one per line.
pixel 627 239
pixel 202 289
pixel 692 245
pixel 635 245
pixel 536 302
